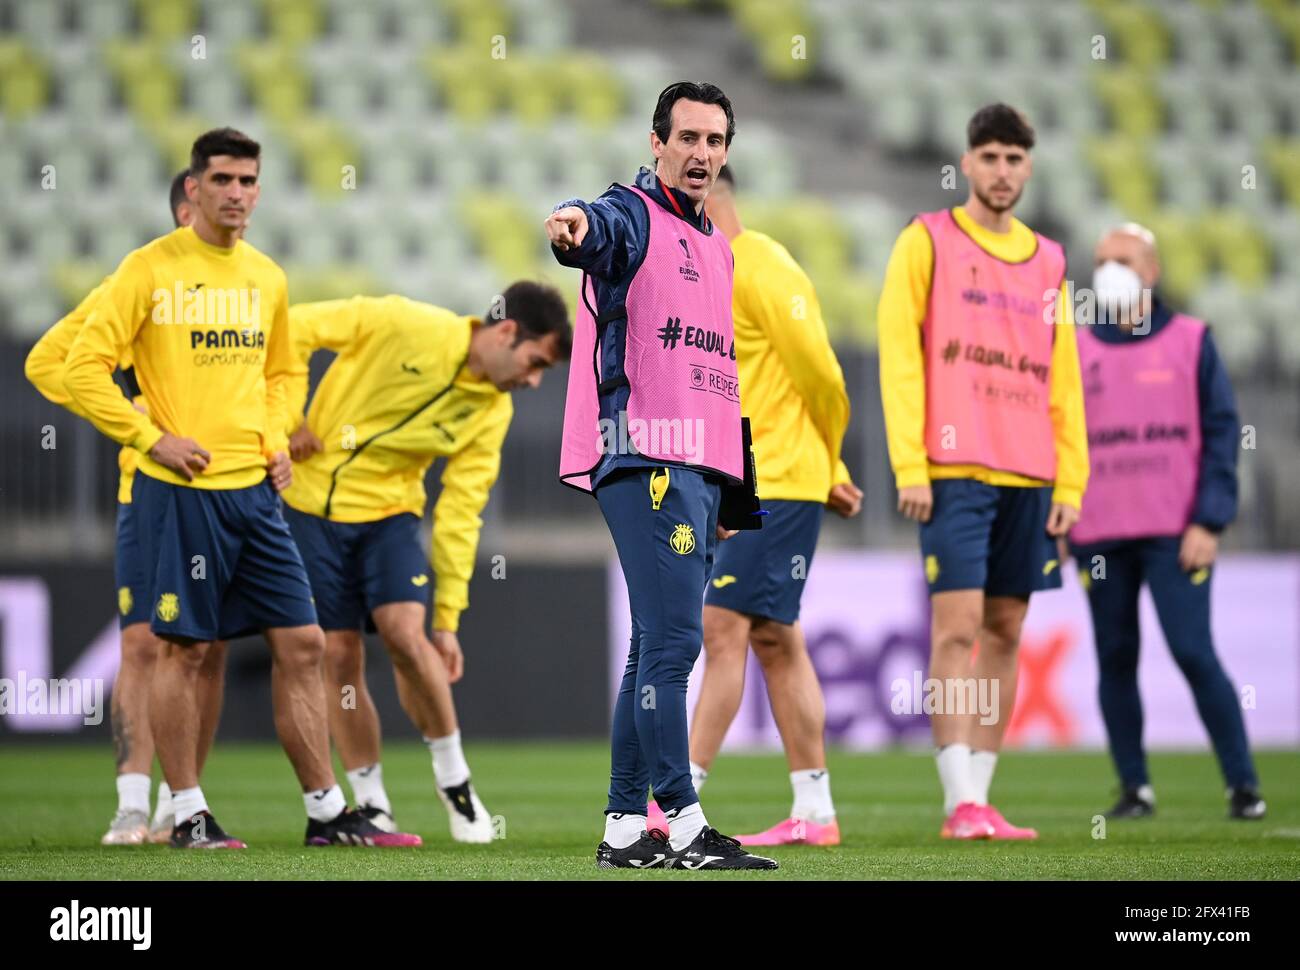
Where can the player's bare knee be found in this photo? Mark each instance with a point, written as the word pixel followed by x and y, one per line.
pixel 404 646
pixel 139 648
pixel 300 651
pixel 772 643
pixel 344 658
pixel 726 634
pixel 956 637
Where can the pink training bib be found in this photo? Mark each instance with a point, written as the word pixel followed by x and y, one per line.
pixel 1144 433
pixel 988 354
pixel 679 360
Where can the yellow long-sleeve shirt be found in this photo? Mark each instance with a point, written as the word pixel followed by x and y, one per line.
pixel 791 384
pixel 397 397
pixel 45 367
pixel 904 301
pixel 207 330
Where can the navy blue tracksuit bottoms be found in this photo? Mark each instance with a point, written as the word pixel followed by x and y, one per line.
pixel 1182 603
pixel 667 555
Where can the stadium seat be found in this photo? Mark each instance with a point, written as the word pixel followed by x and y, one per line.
pixel 24 80
pixel 293 22
pixel 165 20
pixel 1184 257
pixel 276 79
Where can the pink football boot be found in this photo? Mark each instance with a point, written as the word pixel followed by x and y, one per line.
pixel 1002 829
pixel 796 831
pixel 967 821
pixel 655 818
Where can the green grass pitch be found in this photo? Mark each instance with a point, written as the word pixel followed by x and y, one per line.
pixel 56 801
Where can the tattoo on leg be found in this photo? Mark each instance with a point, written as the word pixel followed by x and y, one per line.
pixel 121 734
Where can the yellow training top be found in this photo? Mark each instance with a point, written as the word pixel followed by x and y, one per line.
pixel 45 367
pixel 207 329
pixel 904 301
pixel 398 396
pixel 791 385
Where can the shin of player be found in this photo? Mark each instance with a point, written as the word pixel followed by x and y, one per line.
pixel 410 383
pixel 798 407
pixel 984 418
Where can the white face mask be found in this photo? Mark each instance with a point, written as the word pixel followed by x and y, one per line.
pixel 1118 288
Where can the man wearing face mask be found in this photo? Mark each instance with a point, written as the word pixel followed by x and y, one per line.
pixel 1162 434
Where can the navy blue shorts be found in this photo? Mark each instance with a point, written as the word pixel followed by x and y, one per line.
pixel 989 537
pixel 128 571
pixel 762 572
pixel 355 567
pixel 221 562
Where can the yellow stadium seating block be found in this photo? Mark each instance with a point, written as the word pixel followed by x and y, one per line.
pixel 293 21
pixel 24 81
pixel 276 79
pixel 469 81
pixel 481 24
pixel 1144 36
pixel 529 89
pixel 1126 172
pixel 1286 15
pixel 324 149
pixel 595 93
pixel 150 85
pixel 1283 157
pixel 174 135
pixel 1133 100
pixel 504 231
pixel 1184 252
pixel 166 19
pixel 1242 250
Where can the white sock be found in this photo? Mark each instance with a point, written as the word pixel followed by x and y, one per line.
pixel 623 828
pixel 187 803
pixel 684 824
pixel 982 766
pixel 163 810
pixel 133 792
pixel 449 765
pixel 368 787
pixel 324 805
pixel 698 777
pixel 812 796
pixel 954 774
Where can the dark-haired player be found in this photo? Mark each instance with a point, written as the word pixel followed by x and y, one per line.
pixel 652 427
pixel 132 738
pixel 984 416
pixel 411 383
pixel 205 317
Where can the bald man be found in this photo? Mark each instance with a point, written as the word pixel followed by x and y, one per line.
pixel 1162 436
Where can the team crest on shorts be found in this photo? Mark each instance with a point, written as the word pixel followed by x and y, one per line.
pixel 169 607
pixel 931 568
pixel 682 540
pixel 124 600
